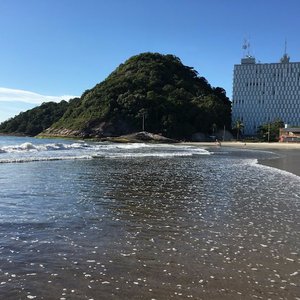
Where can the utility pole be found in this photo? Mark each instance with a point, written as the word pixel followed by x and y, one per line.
pixel 224 134
pixel 143 124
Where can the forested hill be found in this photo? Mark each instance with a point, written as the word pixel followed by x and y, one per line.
pixel 35 120
pixel 171 97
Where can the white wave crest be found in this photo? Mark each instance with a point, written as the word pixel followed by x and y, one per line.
pixel 151 154
pixel 39 151
pixel 18 148
pixel 129 146
pixel 33 159
pixel 276 170
pixel 25 147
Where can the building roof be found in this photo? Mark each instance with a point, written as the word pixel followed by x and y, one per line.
pixel 291 129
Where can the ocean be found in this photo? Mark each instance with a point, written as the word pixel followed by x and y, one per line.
pixel 88 220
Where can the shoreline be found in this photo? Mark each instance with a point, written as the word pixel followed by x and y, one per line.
pixel 288 153
pixel 287 160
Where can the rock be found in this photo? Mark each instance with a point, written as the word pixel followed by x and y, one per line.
pixel 139 137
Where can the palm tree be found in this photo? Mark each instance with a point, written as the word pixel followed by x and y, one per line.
pixel 238 126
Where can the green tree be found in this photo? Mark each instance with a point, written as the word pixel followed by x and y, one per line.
pixel 269 132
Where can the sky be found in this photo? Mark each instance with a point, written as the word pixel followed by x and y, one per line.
pixel 56 49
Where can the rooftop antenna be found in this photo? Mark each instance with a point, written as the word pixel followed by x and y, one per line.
pixel 246 48
pixel 285 43
pixel 285 58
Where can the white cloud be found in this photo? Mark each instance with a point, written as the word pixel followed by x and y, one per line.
pixel 12 95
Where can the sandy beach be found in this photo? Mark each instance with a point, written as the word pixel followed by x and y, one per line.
pixel 289 153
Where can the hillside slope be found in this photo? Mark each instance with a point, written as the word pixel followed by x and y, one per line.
pixel 171 97
pixel 150 91
pixel 35 120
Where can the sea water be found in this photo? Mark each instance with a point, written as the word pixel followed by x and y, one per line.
pixel 88 220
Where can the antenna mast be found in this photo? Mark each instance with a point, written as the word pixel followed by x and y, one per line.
pixel 285 46
pixel 285 58
pixel 246 48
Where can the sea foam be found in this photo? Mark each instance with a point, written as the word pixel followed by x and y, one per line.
pixel 25 147
pixel 29 152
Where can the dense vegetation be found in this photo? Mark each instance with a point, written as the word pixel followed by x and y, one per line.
pixel 170 97
pixel 35 120
pixel 269 132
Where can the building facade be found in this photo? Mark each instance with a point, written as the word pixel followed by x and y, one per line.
pixel 263 93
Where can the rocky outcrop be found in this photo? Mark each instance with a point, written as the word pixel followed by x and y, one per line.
pixel 139 137
pixel 101 130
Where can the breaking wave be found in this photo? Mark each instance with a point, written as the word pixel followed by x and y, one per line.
pixel 29 152
pixel 32 159
pixel 43 147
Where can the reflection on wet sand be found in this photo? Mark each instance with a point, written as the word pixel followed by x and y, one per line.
pixel 204 228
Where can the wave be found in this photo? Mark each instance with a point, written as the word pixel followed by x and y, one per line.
pixel 29 147
pixel 100 155
pixel 274 169
pixel 149 154
pixel 132 146
pixel 34 159
pixel 29 152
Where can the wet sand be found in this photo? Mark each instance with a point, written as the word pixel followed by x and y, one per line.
pixel 288 153
pixel 201 227
pixel 288 161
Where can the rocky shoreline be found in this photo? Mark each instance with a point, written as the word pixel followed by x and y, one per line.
pixel 137 137
pixel 140 137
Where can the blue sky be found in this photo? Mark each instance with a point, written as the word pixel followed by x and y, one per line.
pixel 56 49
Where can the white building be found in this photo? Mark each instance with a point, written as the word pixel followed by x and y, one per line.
pixel 263 93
